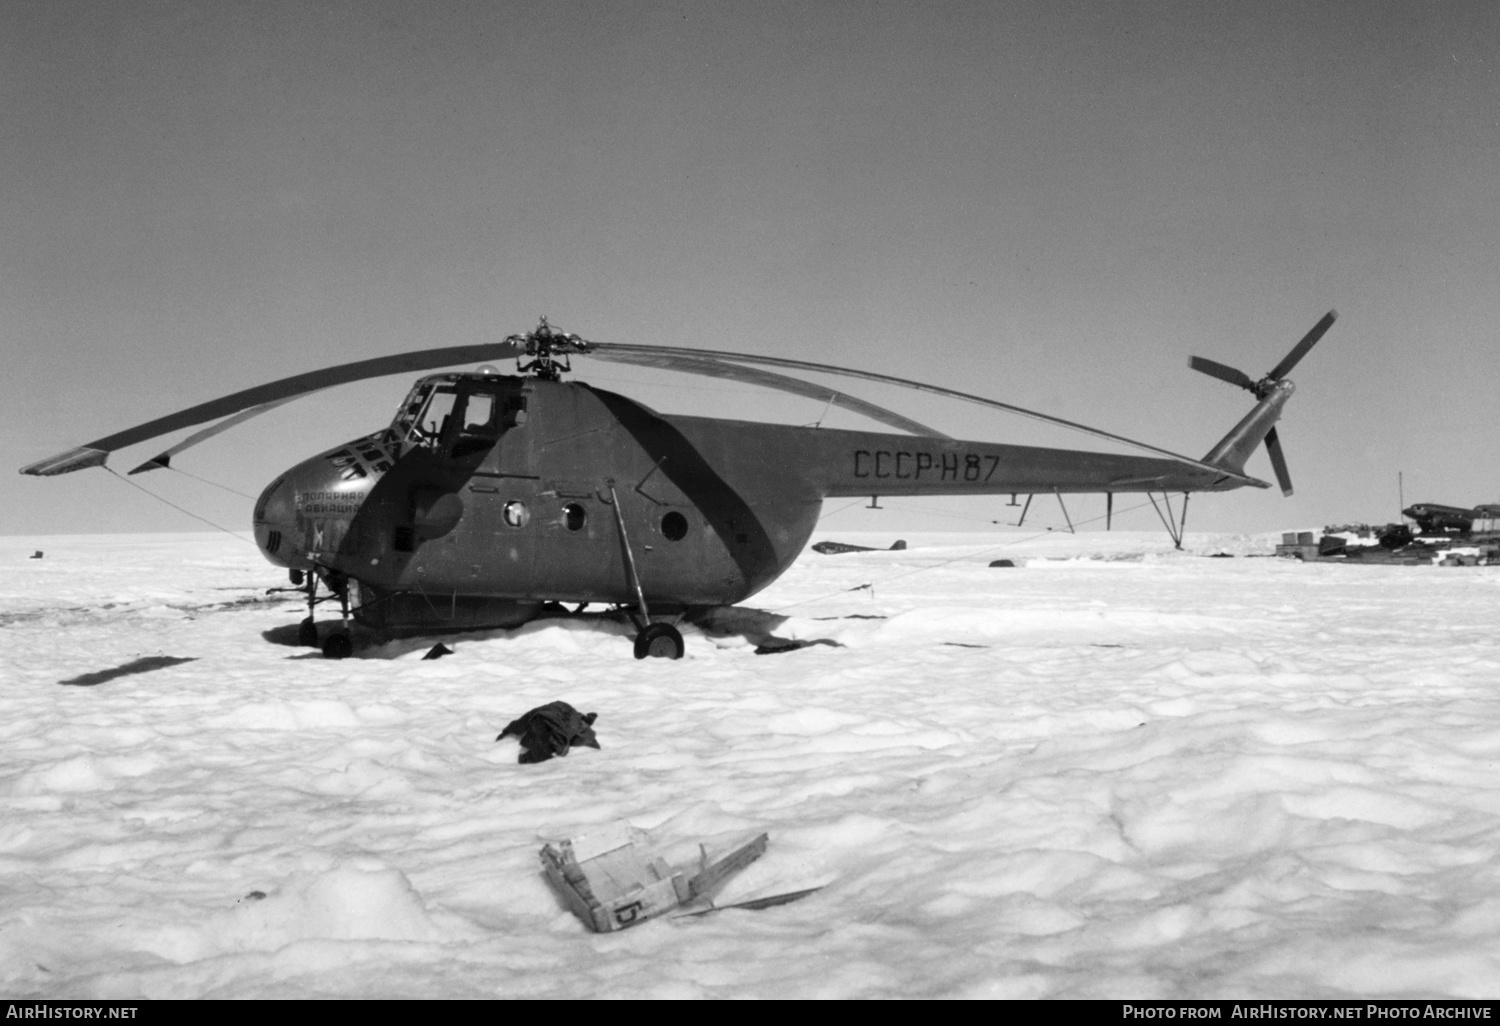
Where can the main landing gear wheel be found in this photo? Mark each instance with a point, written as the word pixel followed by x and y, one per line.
pixel 659 641
pixel 338 646
pixel 307 634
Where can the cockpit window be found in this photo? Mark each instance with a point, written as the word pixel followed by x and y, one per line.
pixel 479 413
pixel 477 429
pixel 444 411
pixel 424 415
pixel 437 414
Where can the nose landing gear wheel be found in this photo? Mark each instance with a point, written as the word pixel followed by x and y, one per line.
pixel 338 646
pixel 307 633
pixel 659 641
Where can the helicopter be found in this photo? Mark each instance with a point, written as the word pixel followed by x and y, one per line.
pixel 492 498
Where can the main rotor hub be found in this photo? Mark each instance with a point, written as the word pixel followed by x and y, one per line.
pixel 550 349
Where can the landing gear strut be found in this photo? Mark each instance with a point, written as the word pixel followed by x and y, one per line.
pixel 658 640
pixel 1176 526
pixel 307 631
pixel 338 644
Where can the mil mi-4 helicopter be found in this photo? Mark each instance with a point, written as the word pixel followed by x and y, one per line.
pixel 492 496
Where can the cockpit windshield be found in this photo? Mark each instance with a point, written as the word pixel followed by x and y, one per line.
pixel 439 411
pixel 424 415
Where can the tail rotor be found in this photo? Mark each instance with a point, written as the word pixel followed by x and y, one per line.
pixel 1262 388
pixel 1268 385
pixel 1278 462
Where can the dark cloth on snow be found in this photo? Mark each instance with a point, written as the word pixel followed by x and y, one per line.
pixel 550 730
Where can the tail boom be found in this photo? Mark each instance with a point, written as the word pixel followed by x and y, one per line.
pixel 1235 448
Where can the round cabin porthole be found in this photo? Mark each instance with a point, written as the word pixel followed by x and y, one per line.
pixel 573 516
pixel 516 514
pixel 674 526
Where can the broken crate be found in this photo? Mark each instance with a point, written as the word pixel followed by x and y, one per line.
pixel 611 880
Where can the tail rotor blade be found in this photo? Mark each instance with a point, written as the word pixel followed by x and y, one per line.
pixel 1218 370
pixel 1309 340
pixel 1278 461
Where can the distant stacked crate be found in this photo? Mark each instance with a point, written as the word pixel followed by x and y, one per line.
pixel 1298 545
pixel 1485 533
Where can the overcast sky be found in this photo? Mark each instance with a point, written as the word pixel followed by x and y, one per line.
pixel 1051 204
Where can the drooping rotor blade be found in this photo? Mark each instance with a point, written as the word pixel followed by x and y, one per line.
pixel 597 349
pixel 96 452
pixel 164 458
pixel 1278 462
pixel 768 379
pixel 1309 340
pixel 1214 369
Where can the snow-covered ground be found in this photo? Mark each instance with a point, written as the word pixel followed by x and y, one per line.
pixel 1112 771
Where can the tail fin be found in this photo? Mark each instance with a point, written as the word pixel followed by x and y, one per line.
pixel 1259 425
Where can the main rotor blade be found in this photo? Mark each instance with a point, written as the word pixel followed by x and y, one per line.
pixel 768 379
pixel 96 452
pixel 1214 369
pixel 598 348
pixel 1309 340
pixel 1278 462
pixel 164 458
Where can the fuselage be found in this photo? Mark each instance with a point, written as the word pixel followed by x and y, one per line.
pixel 1433 518
pixel 490 494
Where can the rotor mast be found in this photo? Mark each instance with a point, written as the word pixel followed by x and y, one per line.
pixel 550 349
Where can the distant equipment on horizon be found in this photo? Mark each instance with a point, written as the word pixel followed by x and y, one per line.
pixel 833 548
pixel 1446 535
pixel 490 499
pixel 1453 521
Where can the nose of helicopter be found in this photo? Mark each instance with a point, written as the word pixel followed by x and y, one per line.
pixel 304 516
pixel 276 523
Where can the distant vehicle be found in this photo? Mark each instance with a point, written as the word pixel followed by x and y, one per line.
pixel 1432 518
pixel 833 548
